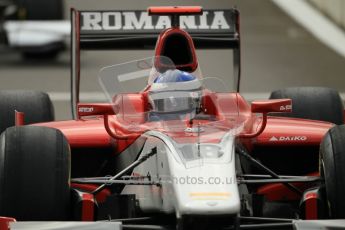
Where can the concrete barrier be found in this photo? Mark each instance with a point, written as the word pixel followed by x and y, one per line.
pixel 334 9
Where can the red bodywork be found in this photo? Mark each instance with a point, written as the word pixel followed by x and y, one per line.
pixel 164 10
pixel 91 133
pixel 161 43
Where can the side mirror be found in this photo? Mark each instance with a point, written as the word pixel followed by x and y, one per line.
pixel 94 109
pixel 268 106
pixel 105 109
pixel 272 106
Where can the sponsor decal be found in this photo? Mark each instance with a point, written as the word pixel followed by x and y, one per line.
pixel 209 195
pixel 85 109
pixel 126 21
pixel 274 139
pixel 285 108
pixel 288 138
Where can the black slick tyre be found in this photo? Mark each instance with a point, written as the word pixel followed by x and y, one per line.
pixel 34 174
pixel 332 170
pixel 315 103
pixel 36 106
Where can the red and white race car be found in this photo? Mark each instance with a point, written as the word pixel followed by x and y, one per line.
pixel 171 148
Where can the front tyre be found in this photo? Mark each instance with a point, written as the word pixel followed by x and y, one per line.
pixel 34 174
pixel 332 169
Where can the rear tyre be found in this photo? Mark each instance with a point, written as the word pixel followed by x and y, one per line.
pixel 37 107
pixel 315 103
pixel 332 162
pixel 42 56
pixel 34 174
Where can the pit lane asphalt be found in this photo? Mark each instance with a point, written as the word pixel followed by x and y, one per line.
pixel 276 53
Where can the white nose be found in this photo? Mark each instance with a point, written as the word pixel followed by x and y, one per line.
pixel 207 199
pixel 210 203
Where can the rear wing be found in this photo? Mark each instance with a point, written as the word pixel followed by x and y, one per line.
pixel 97 30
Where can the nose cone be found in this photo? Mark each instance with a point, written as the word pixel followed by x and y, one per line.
pixel 207 189
pixel 208 199
pixel 211 203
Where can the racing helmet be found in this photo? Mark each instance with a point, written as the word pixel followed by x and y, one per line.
pixel 175 91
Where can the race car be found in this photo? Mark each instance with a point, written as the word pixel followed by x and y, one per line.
pixel 171 148
pixel 33 27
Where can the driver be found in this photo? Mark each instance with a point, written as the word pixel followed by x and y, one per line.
pixel 174 94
